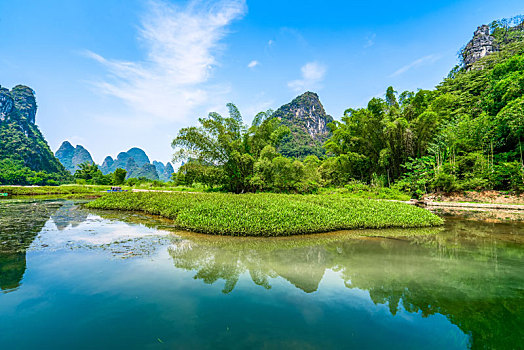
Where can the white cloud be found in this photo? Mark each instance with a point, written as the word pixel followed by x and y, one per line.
pixel 312 75
pixel 253 64
pixel 181 45
pixel 370 40
pixel 417 63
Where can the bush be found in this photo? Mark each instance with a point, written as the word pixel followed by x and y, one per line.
pixel 445 182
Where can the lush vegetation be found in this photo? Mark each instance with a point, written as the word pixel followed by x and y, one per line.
pixel 299 116
pixel 24 153
pixel 467 134
pixel 91 174
pixel 45 190
pixel 14 172
pixel 269 214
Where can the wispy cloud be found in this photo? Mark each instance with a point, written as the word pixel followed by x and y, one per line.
pixel 370 40
pixel 312 75
pixel 253 64
pixel 181 45
pixel 417 63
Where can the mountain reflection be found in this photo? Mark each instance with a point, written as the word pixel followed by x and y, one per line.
pixel 20 223
pixel 68 215
pixel 469 272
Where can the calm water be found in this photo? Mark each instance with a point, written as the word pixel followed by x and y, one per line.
pixel 72 278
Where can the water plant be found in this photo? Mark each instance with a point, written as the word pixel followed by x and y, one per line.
pixel 269 214
pixel 48 190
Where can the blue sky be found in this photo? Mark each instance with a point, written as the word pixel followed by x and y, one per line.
pixel 115 74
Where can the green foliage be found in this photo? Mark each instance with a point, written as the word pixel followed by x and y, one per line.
pixel 13 172
pixel 21 140
pixel 269 214
pixel 119 176
pixel 223 151
pixel 467 134
pixel 50 190
pixel 91 174
pixel 357 189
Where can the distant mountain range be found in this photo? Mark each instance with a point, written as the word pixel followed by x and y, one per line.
pixel 21 140
pixel 71 156
pixel 305 116
pixel 135 161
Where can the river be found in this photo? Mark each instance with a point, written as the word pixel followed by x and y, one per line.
pixel 85 279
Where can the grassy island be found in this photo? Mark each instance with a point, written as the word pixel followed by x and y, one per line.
pixel 269 214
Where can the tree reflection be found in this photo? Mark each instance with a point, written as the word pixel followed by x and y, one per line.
pixel 471 272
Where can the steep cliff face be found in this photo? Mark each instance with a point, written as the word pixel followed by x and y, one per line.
pixel 20 138
pixel 168 172
pixel 480 46
pixel 6 103
pixel 25 102
pixel 138 155
pixel 71 156
pixel 307 120
pixel 146 170
pixel 489 39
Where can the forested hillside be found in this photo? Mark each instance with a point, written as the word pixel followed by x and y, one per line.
pixel 25 156
pixel 466 134
pixel 307 121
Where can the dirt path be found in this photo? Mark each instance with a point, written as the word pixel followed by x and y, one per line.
pixel 475 205
pixel 162 191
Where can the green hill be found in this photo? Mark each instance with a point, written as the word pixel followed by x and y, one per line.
pixel 25 156
pixel 307 120
pixel 71 157
pixel 466 134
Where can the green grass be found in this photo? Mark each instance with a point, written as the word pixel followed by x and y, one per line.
pixel 47 190
pixel 269 214
pixel 169 188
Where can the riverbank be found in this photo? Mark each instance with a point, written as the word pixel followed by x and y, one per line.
pixel 482 197
pixel 269 214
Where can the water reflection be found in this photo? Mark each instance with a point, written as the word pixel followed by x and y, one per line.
pixel 20 223
pixel 69 215
pixel 470 272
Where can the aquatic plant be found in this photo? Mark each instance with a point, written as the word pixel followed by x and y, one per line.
pixel 44 190
pixel 269 214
